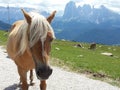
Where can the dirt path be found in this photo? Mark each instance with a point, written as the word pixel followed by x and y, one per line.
pixel 60 79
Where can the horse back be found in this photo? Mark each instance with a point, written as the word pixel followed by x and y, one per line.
pixel 12 43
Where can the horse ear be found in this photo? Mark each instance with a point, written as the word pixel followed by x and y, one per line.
pixel 50 18
pixel 27 16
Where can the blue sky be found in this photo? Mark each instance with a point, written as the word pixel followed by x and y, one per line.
pixel 59 5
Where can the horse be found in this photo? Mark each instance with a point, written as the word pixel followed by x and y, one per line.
pixel 29 46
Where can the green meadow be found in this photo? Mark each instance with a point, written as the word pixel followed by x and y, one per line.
pixel 90 62
pixel 3 37
pixel 83 60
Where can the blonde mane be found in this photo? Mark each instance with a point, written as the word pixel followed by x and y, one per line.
pixel 28 35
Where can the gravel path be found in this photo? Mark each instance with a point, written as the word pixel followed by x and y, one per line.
pixel 60 79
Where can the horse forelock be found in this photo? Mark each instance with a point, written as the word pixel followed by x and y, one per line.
pixel 39 28
pixel 37 31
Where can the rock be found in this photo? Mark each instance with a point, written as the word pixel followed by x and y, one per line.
pixel 78 45
pixel 57 48
pixel 92 46
pixel 107 54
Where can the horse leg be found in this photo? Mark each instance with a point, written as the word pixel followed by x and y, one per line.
pixel 23 78
pixel 31 78
pixel 43 85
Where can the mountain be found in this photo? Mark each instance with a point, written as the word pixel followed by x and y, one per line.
pixel 88 24
pixel 70 10
pixel 78 23
pixel 4 26
pixel 86 12
pixel 12 14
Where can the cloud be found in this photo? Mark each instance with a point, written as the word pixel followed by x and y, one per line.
pixel 20 1
pixel 50 5
pixel 54 4
pixel 111 4
pixel 47 5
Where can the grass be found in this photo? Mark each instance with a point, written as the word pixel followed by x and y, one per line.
pixel 88 61
pixel 83 60
pixel 3 37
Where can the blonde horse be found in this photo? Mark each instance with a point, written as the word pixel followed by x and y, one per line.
pixel 29 45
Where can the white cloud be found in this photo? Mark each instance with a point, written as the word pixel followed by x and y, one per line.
pixel 111 4
pixel 50 5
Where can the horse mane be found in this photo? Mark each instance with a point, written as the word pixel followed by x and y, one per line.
pixel 28 35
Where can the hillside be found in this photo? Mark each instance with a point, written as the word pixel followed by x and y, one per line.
pixel 4 26
pixel 87 61
pixel 67 54
pixel 72 81
pixel 3 37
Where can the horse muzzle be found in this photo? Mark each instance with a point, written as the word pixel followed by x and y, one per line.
pixel 43 72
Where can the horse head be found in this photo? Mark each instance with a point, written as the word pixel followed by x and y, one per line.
pixel 40 36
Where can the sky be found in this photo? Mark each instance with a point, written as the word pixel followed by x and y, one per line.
pixel 59 5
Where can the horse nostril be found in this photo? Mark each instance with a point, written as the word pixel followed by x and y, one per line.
pixel 50 71
pixel 38 72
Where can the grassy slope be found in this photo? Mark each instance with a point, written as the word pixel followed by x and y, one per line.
pixel 83 59
pixel 3 37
